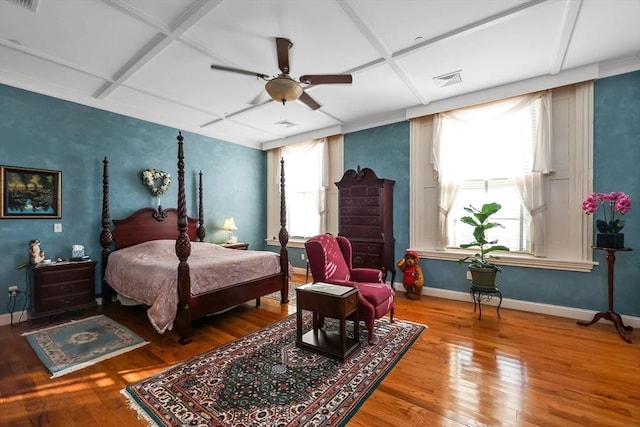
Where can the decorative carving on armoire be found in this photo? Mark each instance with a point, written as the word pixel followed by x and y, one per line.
pixel 365 206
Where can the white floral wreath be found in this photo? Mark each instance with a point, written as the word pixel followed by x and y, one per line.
pixel 152 176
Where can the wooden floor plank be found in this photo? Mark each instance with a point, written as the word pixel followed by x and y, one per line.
pixel 524 369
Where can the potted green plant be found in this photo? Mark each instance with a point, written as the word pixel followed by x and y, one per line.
pixel 483 271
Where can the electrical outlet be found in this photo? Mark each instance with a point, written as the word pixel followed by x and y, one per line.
pixel 468 275
pixel 302 257
pixel 13 290
pixel 57 228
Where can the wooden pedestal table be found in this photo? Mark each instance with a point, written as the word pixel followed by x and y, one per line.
pixel 610 314
pixel 326 300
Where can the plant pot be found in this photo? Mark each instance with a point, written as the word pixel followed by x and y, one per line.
pixel 483 277
pixel 610 240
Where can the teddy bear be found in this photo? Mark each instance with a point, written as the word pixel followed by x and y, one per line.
pixel 412 278
pixel 36 255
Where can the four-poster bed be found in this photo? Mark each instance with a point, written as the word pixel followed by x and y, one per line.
pixel 149 227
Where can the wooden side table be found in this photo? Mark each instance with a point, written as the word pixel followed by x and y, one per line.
pixel 337 302
pixel 610 314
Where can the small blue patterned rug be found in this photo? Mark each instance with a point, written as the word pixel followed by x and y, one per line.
pixel 263 379
pixel 80 343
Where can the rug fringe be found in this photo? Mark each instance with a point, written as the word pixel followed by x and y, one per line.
pixel 61 324
pixel 142 414
pixel 99 359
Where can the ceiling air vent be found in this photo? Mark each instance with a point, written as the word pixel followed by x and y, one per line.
pixel 448 79
pixel 31 5
pixel 285 123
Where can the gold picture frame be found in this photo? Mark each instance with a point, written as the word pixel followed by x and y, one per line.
pixel 29 193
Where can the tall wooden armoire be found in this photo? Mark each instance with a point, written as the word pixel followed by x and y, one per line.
pixel 365 204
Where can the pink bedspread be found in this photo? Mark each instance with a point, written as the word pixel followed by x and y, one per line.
pixel 148 273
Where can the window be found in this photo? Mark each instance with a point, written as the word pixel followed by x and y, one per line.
pixel 310 173
pixel 513 216
pixel 484 152
pixel 541 207
pixel 306 186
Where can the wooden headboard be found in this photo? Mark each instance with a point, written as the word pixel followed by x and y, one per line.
pixel 149 224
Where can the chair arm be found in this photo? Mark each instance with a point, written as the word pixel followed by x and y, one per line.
pixel 370 275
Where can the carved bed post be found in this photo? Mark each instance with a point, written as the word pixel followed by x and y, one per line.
pixel 183 251
pixel 106 238
pixel 284 239
pixel 201 230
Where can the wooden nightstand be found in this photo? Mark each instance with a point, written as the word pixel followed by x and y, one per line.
pixel 240 246
pixel 61 287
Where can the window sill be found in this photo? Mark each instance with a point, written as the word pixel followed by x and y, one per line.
pixel 293 243
pixel 518 260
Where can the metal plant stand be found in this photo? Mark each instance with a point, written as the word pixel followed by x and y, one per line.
pixel 479 293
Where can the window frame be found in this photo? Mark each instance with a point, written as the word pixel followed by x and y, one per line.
pixel 336 162
pixel 568 248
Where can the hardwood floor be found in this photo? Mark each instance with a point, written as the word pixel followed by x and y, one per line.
pixel 521 370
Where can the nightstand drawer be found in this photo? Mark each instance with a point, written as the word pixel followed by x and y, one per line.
pixel 60 274
pixel 63 302
pixel 65 288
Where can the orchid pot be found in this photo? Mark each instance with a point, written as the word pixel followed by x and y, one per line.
pixel 610 226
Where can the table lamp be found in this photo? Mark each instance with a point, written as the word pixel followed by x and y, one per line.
pixel 229 225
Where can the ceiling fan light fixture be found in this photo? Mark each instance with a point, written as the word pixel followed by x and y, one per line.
pixel 283 89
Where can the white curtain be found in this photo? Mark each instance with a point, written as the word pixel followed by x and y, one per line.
pixel 477 143
pixel 530 184
pixel 307 177
pixel 447 180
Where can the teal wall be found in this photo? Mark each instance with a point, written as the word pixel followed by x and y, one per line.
pixel 42 132
pixel 385 150
pixel 616 158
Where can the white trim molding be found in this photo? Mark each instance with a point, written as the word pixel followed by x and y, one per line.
pixel 528 306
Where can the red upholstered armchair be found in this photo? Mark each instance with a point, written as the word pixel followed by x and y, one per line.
pixel 330 262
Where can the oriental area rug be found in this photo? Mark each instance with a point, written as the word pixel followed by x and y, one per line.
pixel 263 379
pixel 80 343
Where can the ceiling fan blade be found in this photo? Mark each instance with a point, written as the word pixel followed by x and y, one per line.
pixel 261 98
pixel 237 70
pixel 283 45
pixel 311 103
pixel 320 79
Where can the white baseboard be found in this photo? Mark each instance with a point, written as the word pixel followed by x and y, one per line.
pixel 5 319
pixel 532 307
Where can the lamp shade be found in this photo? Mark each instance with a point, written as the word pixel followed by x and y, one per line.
pixel 229 224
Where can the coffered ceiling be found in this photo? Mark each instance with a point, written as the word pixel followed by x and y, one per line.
pixel 151 59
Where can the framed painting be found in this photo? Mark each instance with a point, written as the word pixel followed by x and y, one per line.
pixel 30 193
